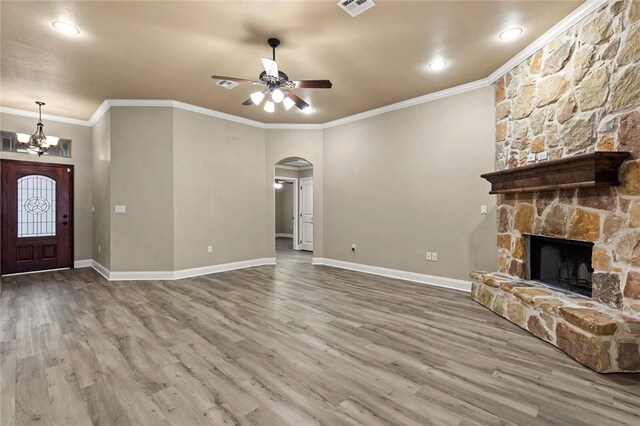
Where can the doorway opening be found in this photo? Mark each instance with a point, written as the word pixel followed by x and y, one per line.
pixel 36 216
pixel 293 186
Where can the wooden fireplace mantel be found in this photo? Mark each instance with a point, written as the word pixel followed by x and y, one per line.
pixel 595 170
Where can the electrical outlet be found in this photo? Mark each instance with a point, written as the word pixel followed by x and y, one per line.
pixel 353 248
pixel 209 249
pixel 120 209
pixel 434 256
pixel 542 155
pixel 531 158
pixel 428 256
pixel 483 209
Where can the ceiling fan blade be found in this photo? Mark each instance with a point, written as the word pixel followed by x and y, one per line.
pixel 312 84
pixel 271 67
pixel 237 80
pixel 299 102
pixel 248 101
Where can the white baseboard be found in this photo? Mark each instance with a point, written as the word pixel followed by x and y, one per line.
pixel 101 269
pixel 281 235
pixel 183 273
pixel 84 263
pixel 433 280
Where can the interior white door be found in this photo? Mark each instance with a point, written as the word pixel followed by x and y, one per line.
pixel 306 214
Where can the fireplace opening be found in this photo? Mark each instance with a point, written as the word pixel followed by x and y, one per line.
pixel 565 264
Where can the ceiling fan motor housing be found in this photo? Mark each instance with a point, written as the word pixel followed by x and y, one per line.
pixel 273 42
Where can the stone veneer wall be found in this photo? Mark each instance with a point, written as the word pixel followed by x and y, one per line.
pixel 579 94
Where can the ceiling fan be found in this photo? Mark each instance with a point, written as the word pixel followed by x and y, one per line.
pixel 277 86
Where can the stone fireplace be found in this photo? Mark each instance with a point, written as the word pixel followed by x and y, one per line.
pixel 564 264
pixel 580 94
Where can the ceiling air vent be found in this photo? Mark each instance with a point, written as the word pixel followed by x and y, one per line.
pixel 356 7
pixel 227 84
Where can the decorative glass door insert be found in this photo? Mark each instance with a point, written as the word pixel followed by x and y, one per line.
pixel 36 206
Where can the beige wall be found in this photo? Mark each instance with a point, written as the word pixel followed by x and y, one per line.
pixel 284 208
pixel 305 173
pixel 407 182
pixel 397 184
pixel 306 144
pixel 81 160
pixel 142 179
pixel 219 200
pixel 101 142
pixel 286 173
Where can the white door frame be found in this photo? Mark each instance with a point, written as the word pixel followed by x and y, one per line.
pixel 296 209
pixel 314 206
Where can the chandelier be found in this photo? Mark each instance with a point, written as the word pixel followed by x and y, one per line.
pixel 38 143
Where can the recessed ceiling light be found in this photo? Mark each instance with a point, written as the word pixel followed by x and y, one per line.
pixel 510 34
pixel 437 65
pixel 65 28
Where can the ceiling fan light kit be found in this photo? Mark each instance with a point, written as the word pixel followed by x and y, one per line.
pixel 269 106
pixel 277 85
pixel 257 97
pixel 288 103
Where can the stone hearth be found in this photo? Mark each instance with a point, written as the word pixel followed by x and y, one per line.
pixel 577 95
pixel 604 339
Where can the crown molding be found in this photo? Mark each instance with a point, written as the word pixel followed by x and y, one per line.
pixel 216 114
pixel 48 117
pixel 102 109
pixel 584 10
pixel 292 126
pixel 409 102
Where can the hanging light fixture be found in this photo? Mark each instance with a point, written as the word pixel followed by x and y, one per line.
pixel 38 143
pixel 277 184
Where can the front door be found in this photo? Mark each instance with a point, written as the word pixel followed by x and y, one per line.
pixel 306 214
pixel 37 222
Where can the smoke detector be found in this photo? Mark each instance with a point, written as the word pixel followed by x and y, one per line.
pixel 227 84
pixel 356 7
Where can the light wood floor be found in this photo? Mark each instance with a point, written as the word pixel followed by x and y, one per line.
pixel 291 344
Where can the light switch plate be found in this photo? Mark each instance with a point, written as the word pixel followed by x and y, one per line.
pixel 531 158
pixel 428 255
pixel 434 256
pixel 483 209
pixel 542 155
pixel 120 209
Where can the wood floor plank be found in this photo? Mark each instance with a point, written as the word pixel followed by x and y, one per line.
pixel 32 398
pixel 67 405
pixel 8 364
pixel 290 344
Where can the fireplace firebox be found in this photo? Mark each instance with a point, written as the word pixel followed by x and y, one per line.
pixel 565 264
